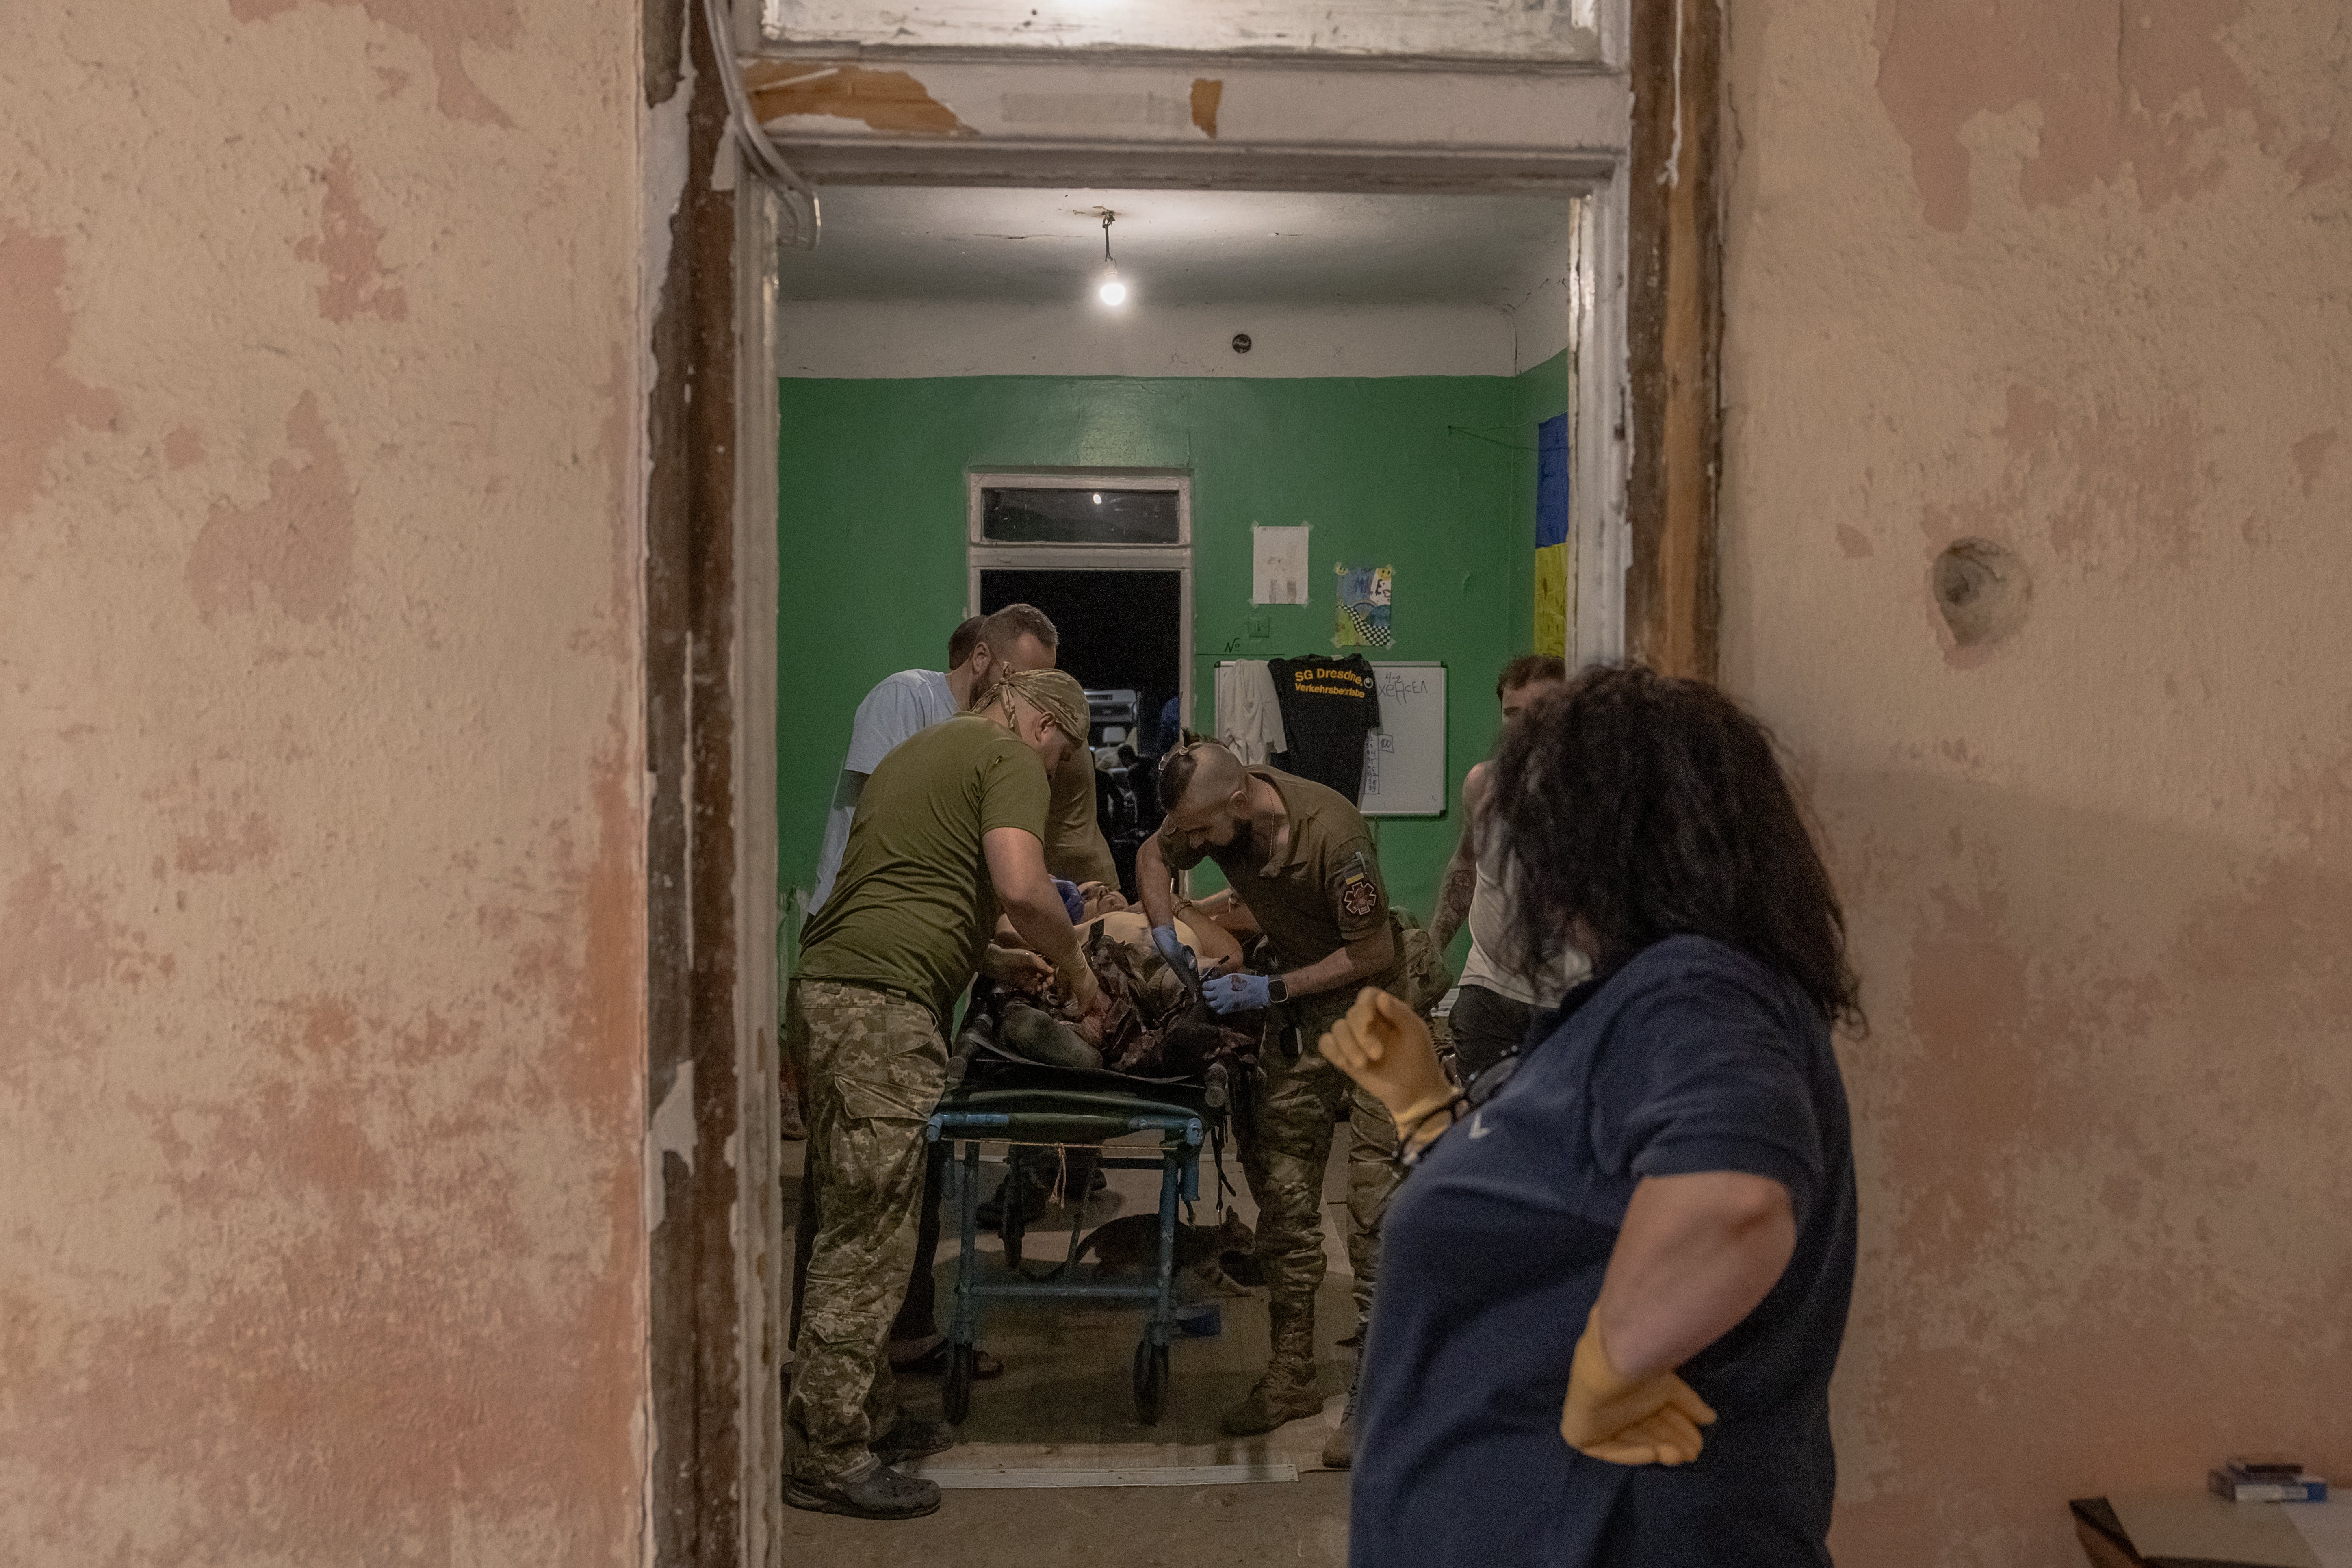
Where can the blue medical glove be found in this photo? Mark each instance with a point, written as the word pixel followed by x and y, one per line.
pixel 1070 900
pixel 1172 946
pixel 1236 992
pixel 1180 958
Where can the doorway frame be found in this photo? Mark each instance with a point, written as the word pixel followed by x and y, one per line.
pixel 1604 543
pixel 1648 421
pixel 990 555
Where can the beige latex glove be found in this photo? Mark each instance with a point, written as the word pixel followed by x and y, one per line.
pixel 1652 1420
pixel 1384 1046
pixel 1077 979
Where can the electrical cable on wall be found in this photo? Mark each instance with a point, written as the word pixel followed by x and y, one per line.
pixel 1113 292
pixel 761 157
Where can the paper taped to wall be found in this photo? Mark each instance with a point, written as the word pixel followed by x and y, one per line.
pixel 1278 565
pixel 1361 619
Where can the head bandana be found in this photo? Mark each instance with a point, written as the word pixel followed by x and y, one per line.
pixel 1052 692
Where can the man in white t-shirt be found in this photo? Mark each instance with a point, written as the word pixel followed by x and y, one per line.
pixel 1016 637
pixel 1495 1005
pixel 899 705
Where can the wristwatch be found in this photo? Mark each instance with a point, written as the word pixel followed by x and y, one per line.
pixel 1275 991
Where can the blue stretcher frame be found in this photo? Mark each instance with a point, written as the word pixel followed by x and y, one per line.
pixel 968 1118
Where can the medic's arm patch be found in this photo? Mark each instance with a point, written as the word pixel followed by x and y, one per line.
pixel 1355 894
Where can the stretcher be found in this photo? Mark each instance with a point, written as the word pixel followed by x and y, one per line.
pixel 1041 1107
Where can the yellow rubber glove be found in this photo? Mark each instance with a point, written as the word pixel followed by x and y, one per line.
pixel 1653 1420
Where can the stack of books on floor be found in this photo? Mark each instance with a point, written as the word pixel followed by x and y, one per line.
pixel 2265 1479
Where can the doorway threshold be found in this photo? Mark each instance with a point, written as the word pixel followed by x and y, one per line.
pixel 968 1477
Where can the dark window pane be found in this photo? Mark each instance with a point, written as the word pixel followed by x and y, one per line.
pixel 1078 517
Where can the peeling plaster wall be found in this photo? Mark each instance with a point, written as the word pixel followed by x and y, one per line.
pixel 2068 278
pixel 320 857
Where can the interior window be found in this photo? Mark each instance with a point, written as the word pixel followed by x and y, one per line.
pixel 1080 517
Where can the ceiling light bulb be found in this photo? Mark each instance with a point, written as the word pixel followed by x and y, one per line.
pixel 1113 292
pixel 1098 498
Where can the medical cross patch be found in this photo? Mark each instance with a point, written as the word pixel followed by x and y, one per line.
pixel 1357 895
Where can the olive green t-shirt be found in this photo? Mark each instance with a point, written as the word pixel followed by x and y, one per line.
pixel 1075 846
pixel 1321 891
pixel 913 904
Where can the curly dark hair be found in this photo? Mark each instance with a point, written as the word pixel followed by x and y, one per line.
pixel 1645 807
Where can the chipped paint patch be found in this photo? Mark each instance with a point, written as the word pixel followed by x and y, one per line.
pixel 885 101
pixel 2132 89
pixel 39 400
pixel 57 937
pixel 349 246
pixel 2128 481
pixel 182 447
pixel 445 28
pixel 1208 92
pixel 227 843
pixel 296 543
pixel 2315 160
pixel 2311 457
pixel 2102 487
pixel 1853 544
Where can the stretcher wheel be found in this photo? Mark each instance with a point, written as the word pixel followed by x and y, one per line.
pixel 1151 1381
pixel 955 1389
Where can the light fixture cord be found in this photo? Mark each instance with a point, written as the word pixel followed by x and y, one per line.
pixel 1108 217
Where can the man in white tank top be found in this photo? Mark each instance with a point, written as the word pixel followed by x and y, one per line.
pixel 1492 1011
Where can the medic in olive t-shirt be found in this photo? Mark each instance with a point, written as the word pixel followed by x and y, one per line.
pixel 914 905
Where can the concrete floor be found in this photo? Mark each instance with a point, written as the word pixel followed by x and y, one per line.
pixel 1063 1403
pixel 1303 1525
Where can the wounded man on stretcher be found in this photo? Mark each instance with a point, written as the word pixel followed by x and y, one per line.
pixel 1155 1026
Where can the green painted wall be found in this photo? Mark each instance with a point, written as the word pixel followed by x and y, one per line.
pixel 1431 475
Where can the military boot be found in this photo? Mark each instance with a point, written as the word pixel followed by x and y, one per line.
pixel 1287 1392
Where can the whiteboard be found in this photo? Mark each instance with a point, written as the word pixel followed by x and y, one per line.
pixel 1404 760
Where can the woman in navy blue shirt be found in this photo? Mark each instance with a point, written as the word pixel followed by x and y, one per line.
pixel 1613 1287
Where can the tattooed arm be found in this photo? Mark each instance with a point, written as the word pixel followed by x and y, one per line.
pixel 1461 882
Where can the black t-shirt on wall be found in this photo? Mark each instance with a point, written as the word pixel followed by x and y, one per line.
pixel 1329 706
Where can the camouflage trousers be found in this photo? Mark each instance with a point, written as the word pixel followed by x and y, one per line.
pixel 1286 1139
pixel 874 1068
pixel 1285 1148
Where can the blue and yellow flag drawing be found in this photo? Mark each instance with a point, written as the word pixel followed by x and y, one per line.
pixel 1551 536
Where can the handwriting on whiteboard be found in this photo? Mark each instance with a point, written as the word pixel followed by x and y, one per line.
pixel 1404 760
